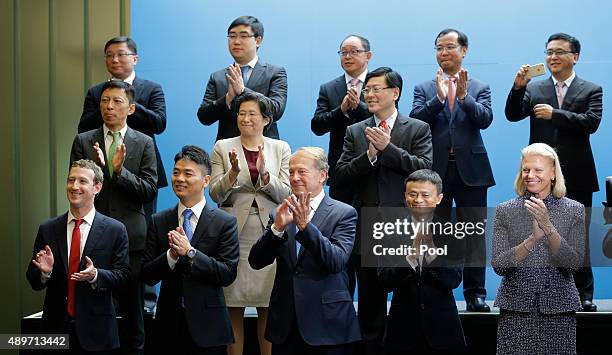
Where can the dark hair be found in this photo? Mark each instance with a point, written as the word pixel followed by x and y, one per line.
pixel 425 175
pixel 89 164
pixel 196 155
pixel 573 41
pixel 122 39
pixel 364 41
pixel 263 102
pixel 392 78
pixel 253 22
pixel 120 84
pixel 462 38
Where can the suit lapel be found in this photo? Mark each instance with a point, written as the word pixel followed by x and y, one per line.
pixel 340 88
pixel 573 91
pixel 96 232
pixel 398 129
pixel 548 91
pixel 172 219
pixel 244 176
pixel 62 243
pixel 258 71
pixel 290 230
pixel 322 211
pixel 130 142
pixel 203 221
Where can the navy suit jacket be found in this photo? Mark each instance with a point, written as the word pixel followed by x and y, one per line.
pixel 266 79
pixel 149 117
pixel 311 286
pixel 197 284
pixel 328 117
pixel 95 319
pixel 459 129
pixel 122 196
pixel 569 129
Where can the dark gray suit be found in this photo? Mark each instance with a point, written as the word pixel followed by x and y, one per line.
pixel 380 185
pixel 266 79
pixel 328 117
pixel 569 133
pixel 122 197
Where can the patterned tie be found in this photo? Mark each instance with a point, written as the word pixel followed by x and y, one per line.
pixel 452 92
pixel 245 71
pixel 187 223
pixel 73 263
pixel 354 83
pixel 383 125
pixel 560 95
pixel 112 150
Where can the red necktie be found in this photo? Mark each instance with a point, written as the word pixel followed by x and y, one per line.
pixel 452 92
pixel 73 263
pixel 383 125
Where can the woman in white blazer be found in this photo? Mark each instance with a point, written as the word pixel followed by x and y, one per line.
pixel 250 177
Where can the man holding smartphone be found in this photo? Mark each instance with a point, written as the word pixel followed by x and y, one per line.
pixel 564 111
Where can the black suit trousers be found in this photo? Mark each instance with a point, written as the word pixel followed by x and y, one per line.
pixel 471 202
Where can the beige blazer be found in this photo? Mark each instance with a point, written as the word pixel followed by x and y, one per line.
pixel 237 199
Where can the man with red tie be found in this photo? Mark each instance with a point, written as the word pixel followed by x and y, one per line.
pixel 81 258
pixel 378 155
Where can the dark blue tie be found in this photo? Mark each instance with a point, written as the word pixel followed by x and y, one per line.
pixel 245 71
pixel 187 224
pixel 297 244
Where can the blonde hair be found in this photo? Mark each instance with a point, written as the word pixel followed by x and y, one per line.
pixel 316 153
pixel 543 150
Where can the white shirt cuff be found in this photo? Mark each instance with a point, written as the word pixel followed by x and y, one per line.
pixel 171 261
pixel 276 232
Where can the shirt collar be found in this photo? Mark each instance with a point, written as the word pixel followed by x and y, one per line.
pixel 88 218
pixel 316 201
pixel 122 131
pixel 252 63
pixel 567 81
pixel 197 208
pixel 390 120
pixel 129 79
pixel 361 77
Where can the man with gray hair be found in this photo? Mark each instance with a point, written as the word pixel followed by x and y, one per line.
pixel 310 236
pixel 81 258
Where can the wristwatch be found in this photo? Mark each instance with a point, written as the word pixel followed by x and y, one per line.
pixel 191 253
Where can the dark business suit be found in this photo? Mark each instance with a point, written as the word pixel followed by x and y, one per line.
pixel 310 302
pixel 467 172
pixel 328 118
pixel 380 185
pixel 423 317
pixel 266 79
pixel 95 322
pixel 569 133
pixel 197 285
pixel 122 197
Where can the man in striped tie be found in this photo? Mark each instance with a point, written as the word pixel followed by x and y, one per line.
pixel 81 258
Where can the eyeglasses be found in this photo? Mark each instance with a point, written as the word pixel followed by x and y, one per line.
pixel 450 48
pixel 557 52
pixel 374 90
pixel 122 55
pixel 242 36
pixel 352 52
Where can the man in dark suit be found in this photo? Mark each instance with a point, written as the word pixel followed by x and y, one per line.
pixel 310 237
pixel 248 73
pixel 192 249
pixel 377 156
pixel 149 116
pixel 457 108
pixel 127 158
pixel 340 104
pixel 121 56
pixel 423 317
pixel 81 258
pixel 564 111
